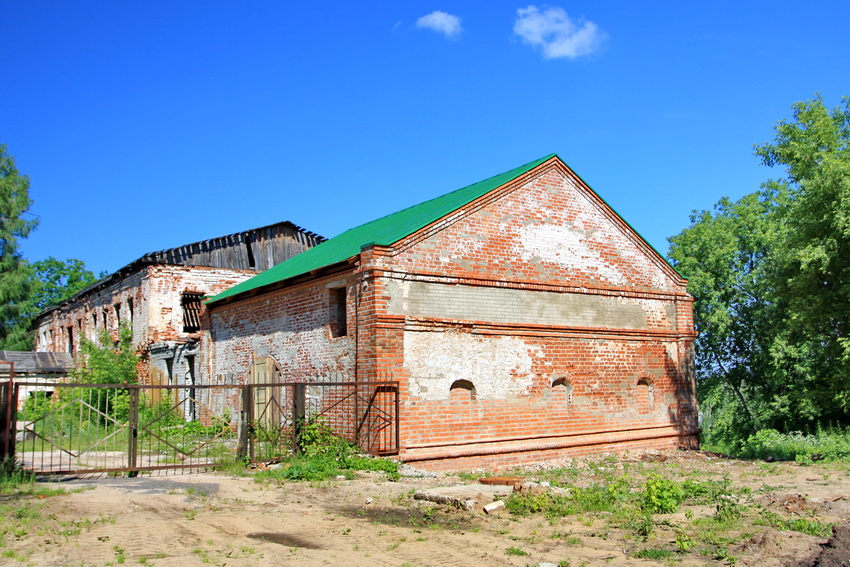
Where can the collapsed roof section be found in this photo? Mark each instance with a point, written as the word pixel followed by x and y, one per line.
pixel 256 249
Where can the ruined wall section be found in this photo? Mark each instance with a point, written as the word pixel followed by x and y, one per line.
pixel 295 326
pixel 173 351
pixel 94 312
pixel 168 283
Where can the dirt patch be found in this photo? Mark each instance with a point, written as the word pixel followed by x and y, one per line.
pixel 835 552
pixel 210 519
pixel 284 539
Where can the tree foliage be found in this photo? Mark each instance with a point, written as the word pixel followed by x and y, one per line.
pixel 15 274
pixel 57 280
pixel 813 287
pixel 771 277
pixel 49 282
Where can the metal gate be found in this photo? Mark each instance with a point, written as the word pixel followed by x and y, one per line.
pixel 68 428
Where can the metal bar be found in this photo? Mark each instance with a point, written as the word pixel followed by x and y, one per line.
pixel 8 424
pixel 13 422
pixel 133 434
pixel 397 420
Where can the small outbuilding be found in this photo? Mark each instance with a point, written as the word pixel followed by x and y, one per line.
pixel 523 318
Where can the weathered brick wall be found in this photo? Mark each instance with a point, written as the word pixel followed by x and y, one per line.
pixel 157 315
pixel 95 311
pixel 292 326
pixel 572 334
pixel 167 285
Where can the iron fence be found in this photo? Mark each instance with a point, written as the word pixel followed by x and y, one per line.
pixel 71 428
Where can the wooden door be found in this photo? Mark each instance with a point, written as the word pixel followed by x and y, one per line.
pixel 266 398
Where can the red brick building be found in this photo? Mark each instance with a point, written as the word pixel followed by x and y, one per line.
pixel 522 316
pixel 159 296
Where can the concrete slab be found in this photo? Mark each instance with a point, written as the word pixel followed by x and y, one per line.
pixel 464 496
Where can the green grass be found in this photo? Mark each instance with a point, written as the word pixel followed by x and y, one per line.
pixel 826 444
pixel 516 551
pixel 325 456
pixel 653 553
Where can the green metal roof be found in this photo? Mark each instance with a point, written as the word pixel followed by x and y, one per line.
pixel 383 231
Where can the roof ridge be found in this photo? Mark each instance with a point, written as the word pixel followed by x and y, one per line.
pixel 426 201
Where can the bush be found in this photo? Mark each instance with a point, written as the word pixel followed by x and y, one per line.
pixel 825 444
pixel 661 496
pixel 325 455
pixel 35 407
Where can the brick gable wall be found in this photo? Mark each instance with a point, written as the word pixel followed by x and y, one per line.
pixel 574 336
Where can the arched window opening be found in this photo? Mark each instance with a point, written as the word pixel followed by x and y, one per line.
pixel 645 395
pixel 562 390
pixel 462 391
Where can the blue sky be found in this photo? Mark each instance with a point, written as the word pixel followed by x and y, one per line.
pixel 152 125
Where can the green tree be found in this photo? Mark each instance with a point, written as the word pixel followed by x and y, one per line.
pixel 106 361
pixel 728 256
pixel 813 347
pixel 50 281
pixel 15 275
pixel 771 278
pixel 57 280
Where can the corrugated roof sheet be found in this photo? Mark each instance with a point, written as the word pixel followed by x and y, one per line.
pixel 383 231
pixel 34 362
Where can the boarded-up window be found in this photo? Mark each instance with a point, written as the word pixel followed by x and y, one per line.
pixel 562 391
pixel 645 395
pixel 338 316
pixel 191 312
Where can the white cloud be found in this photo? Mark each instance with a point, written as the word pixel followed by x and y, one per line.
pixel 441 22
pixel 555 33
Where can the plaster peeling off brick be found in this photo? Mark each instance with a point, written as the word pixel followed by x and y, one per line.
pixel 498 367
pixel 564 247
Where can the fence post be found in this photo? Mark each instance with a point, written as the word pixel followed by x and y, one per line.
pixel 6 419
pixel 243 429
pixel 356 414
pixel 299 396
pixel 133 431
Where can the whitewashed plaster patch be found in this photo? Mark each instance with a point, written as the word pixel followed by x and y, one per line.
pixel 565 247
pixel 498 367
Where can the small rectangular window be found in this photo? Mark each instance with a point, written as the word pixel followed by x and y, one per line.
pixel 130 310
pixel 338 315
pixel 191 311
pixel 117 314
pixel 71 340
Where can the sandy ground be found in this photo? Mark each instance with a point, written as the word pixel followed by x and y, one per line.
pixel 218 519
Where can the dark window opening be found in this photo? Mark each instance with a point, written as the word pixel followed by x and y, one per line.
pixel 130 310
pixel 191 311
pixel 71 340
pixel 104 319
pixel 339 318
pixel 117 314
pixel 190 378
pixel 169 369
pixel 251 261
